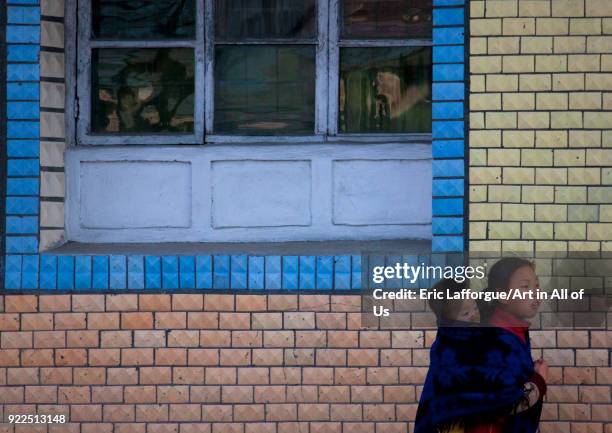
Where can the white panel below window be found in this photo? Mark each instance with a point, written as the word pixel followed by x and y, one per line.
pixel 248 193
pixel 135 194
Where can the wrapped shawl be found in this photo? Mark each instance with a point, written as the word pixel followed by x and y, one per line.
pixel 477 374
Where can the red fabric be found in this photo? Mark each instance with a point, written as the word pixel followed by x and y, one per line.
pixel 509 322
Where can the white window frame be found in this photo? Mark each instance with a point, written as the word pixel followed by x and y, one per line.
pixel 328 45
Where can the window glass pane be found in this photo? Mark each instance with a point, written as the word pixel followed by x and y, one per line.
pixel 385 90
pixel 264 89
pixel 144 90
pixel 386 19
pixel 260 19
pixel 143 19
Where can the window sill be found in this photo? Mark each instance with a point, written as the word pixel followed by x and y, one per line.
pixel 311 248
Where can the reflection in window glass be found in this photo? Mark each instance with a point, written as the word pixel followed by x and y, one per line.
pixel 143 19
pixel 142 90
pixel 260 19
pixel 386 19
pixel 385 90
pixel 264 89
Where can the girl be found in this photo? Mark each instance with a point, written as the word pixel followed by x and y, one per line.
pixel 483 379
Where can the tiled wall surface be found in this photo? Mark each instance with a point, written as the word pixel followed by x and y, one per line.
pixel 222 363
pixel 541 125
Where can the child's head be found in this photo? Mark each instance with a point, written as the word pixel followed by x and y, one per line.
pixel 453 310
pixel 512 273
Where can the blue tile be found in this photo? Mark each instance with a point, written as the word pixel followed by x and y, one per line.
pixel 256 272
pixel 187 274
pixel 342 272
pixel 448 129
pixel 325 272
pixel 82 272
pixel 18 110
pixel 447 110
pixel 65 272
pixel 449 54
pixel 25 187
pixel 153 272
pixel 410 260
pixel 394 283
pixel 447 226
pixel 447 206
pixel 12 272
pixel 23 72
pixel 21 206
pixel 448 148
pixel 23 167
pixel 170 271
pixel 448 91
pixel 448 167
pixel 23 148
pixel 118 272
pixel 447 243
pixel 307 269
pixel 23 91
pixel 355 272
pixel 21 129
pixel 21 244
pixel 448 35
pixel 135 272
pixel 24 2
pixel 100 275
pixel 204 272
pixel 22 34
pixel 448 187
pixel 48 271
pixel 448 72
pixel 22 53
pixel 221 274
pixel 21 225
pixel 290 272
pixel 448 2
pixel 273 272
pixel 29 272
pixel 239 267
pixel 23 15
pixel 448 17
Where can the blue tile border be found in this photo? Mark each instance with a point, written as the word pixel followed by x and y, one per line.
pixel 23 268
pixel 449 130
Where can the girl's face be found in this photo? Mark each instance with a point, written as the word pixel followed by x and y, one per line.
pixel 469 312
pixel 523 279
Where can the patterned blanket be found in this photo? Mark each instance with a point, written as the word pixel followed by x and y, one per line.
pixel 476 375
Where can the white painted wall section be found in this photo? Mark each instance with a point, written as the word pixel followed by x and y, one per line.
pixel 249 193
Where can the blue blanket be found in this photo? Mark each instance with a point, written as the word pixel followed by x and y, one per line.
pixel 476 375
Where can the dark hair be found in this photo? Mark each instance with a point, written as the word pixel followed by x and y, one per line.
pixel 499 280
pixel 444 308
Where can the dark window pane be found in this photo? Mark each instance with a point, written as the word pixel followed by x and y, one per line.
pixel 386 90
pixel 144 90
pixel 264 90
pixel 143 19
pixel 386 19
pixel 261 19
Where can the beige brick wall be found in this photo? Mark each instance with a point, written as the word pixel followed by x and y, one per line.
pixel 541 125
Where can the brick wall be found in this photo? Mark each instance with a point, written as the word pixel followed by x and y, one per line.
pixel 540 119
pixel 247 363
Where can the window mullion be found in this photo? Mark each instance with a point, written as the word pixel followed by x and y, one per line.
pixel 322 67
pixel 209 66
pixel 333 83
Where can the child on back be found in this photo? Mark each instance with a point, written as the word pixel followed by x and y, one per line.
pixel 482 378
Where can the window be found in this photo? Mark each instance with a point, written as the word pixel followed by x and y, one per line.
pixel 195 71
